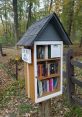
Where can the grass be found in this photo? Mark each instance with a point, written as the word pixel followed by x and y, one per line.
pixel 24 108
pixel 75 111
pixel 14 89
pixel 14 98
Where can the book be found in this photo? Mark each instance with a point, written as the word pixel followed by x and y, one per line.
pixel 56 67
pixel 49 51
pixel 44 69
pixel 39 86
pixel 52 68
pixel 47 85
pixel 46 52
pixel 44 85
pixel 55 82
pixel 39 70
pixel 48 69
pixel 50 84
pixel 40 52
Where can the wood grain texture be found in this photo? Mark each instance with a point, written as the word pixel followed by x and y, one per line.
pixel 31 76
pixel 44 108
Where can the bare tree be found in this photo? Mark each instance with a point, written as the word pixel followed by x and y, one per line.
pixel 29 14
pixel 15 10
pixel 51 2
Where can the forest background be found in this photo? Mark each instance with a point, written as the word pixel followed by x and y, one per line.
pixel 17 15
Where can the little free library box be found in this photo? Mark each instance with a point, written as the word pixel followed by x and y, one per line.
pixel 42 53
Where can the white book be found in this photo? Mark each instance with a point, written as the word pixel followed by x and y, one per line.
pixel 40 87
pixel 46 52
pixel 48 69
pixel 47 85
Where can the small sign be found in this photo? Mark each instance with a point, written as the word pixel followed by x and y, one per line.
pixel 26 55
pixel 55 51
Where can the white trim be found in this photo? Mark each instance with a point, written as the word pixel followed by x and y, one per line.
pixel 48 97
pixel 40 99
pixel 35 71
pixel 61 67
pixel 47 42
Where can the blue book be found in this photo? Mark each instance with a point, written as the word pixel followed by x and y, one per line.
pixel 55 82
pixel 44 85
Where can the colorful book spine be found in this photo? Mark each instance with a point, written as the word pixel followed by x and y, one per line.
pixel 40 52
pixel 51 84
pixel 40 90
pixel 52 68
pixel 47 85
pixel 46 52
pixel 55 82
pixel 43 69
pixel 39 71
pixel 44 85
pixel 48 69
pixel 56 67
pixel 49 51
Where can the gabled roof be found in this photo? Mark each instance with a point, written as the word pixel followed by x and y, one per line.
pixel 35 30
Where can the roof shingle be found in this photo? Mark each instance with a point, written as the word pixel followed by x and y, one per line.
pixel 31 34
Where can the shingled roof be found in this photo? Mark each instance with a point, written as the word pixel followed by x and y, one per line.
pixel 36 29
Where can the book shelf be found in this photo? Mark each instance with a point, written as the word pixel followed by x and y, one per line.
pixel 43 76
pixel 47 70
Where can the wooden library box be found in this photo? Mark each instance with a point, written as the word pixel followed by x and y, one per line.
pixel 43 75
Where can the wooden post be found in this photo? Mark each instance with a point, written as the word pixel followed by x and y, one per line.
pixel 1 49
pixel 70 74
pixel 16 69
pixel 45 108
pixel 17 58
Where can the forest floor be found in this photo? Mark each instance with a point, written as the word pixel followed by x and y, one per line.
pixel 14 102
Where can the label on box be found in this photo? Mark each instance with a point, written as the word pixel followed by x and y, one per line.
pixel 26 55
pixel 55 50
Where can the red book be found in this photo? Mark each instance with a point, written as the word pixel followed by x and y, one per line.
pixel 51 84
pixel 39 70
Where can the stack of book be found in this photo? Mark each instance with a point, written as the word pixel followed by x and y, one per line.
pixel 47 86
pixel 48 69
pixel 40 52
pixel 42 70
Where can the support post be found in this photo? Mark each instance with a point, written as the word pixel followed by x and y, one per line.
pixel 45 108
pixel 70 74
pixel 16 69
pixel 1 49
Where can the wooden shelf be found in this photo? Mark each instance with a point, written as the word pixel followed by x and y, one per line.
pixel 48 77
pixel 50 59
pixel 54 91
pixel 57 89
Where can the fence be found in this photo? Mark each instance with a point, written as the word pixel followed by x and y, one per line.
pixel 71 80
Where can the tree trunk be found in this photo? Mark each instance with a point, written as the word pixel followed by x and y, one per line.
pixel 50 6
pixel 70 19
pixel 15 20
pixel 29 15
pixel 2 23
pixel 80 42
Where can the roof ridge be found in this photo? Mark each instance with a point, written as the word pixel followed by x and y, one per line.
pixel 40 20
pixel 35 30
pixel 44 25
